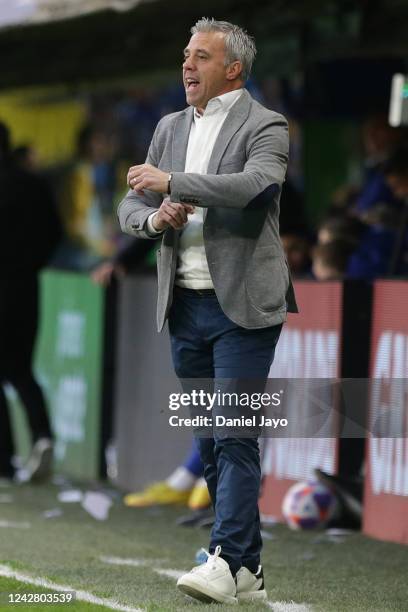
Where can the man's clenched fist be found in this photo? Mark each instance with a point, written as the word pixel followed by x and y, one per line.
pixel 171 214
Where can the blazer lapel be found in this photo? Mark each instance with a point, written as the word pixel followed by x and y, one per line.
pixel 235 118
pixel 180 140
pixel 178 161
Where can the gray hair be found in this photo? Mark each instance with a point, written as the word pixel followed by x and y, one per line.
pixel 238 44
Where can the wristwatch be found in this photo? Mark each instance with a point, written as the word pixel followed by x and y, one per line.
pixel 169 183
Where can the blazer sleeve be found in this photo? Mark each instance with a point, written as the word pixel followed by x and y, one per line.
pixel 262 175
pixel 134 209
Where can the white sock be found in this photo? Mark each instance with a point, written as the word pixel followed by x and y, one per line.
pixel 181 479
pixel 201 482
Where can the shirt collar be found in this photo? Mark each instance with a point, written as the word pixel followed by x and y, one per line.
pixel 220 104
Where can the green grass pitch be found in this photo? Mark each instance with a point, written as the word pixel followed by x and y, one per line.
pixel 358 574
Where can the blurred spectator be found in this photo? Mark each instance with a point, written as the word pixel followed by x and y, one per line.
pixel 29 232
pixel 298 253
pixel 370 240
pixel 379 141
pixel 395 170
pixel 185 485
pixel 396 174
pixel 340 227
pixel 105 272
pixel 26 158
pixel 373 255
pixel 129 258
pixel 82 210
pixel 330 260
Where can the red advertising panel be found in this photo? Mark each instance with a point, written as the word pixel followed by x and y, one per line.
pixel 309 348
pixel 386 482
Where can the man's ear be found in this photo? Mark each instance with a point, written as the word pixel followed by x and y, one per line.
pixel 234 70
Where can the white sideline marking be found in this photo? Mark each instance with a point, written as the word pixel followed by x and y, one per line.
pixel 119 561
pixel 8 572
pixel 282 606
pixel 170 573
pixel 15 525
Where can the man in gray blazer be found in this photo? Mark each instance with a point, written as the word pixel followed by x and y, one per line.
pixel 210 190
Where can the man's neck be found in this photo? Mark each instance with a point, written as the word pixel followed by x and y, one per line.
pixel 200 110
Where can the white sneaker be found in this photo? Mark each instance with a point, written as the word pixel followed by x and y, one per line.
pixel 210 582
pixel 250 586
pixel 39 464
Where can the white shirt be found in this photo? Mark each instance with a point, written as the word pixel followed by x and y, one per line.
pixel 192 267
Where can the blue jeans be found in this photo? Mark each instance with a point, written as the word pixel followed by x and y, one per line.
pixel 206 344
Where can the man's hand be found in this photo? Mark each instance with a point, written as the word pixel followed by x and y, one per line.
pixel 171 214
pixel 147 176
pixel 103 274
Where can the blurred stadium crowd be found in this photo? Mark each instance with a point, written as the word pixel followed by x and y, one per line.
pixel 357 237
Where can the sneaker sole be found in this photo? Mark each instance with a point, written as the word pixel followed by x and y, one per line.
pixel 204 594
pixel 253 595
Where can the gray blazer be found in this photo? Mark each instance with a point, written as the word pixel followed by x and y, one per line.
pixel 241 194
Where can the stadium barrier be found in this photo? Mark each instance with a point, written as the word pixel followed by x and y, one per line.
pixel 329 339
pixel 147 450
pixel 386 482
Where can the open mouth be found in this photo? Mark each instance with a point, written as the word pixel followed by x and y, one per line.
pixel 191 84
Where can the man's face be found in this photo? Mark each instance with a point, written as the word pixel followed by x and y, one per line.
pixel 204 69
pixel 323 272
pixel 324 236
pixel 398 185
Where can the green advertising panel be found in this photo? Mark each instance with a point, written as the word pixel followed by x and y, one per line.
pixel 68 365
